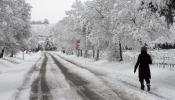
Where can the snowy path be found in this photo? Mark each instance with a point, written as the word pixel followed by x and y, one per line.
pixel 39 87
pixel 87 85
pixel 15 78
pixel 122 85
pixel 28 78
pixel 55 77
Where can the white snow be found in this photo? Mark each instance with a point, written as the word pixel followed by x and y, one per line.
pixel 13 72
pixel 102 76
pixel 93 83
pixel 121 77
pixel 60 88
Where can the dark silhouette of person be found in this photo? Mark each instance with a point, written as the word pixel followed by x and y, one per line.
pixel 144 59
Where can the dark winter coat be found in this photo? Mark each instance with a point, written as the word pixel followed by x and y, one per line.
pixel 143 62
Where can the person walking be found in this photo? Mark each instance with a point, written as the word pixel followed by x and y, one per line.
pixel 144 59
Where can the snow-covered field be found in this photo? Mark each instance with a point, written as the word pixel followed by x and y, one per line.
pixel 121 77
pixel 13 72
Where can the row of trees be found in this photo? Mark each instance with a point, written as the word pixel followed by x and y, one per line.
pixel 14 24
pixel 165 46
pixel 45 21
pixel 110 25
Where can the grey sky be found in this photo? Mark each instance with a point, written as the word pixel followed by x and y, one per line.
pixel 53 10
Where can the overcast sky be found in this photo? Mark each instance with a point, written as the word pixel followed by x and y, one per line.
pixel 53 10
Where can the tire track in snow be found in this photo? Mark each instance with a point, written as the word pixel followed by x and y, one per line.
pixel 97 74
pixel 28 77
pixel 60 88
pixel 39 88
pixel 79 83
pixel 127 83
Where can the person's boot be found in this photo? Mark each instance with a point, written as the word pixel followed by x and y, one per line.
pixel 148 87
pixel 142 87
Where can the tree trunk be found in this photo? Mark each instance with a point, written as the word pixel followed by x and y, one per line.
pixel 11 55
pixel 81 52
pixel 120 48
pixel 86 53
pixel 98 55
pixel 2 53
pixel 93 53
pixel 78 52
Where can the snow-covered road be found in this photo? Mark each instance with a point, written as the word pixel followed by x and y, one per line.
pixel 84 82
pixel 16 75
pixel 53 78
pixel 124 83
pixel 56 76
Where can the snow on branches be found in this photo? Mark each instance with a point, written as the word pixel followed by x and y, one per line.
pixel 104 24
pixel 14 22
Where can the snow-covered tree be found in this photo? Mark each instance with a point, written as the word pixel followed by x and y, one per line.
pixel 164 8
pixel 111 25
pixel 14 23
